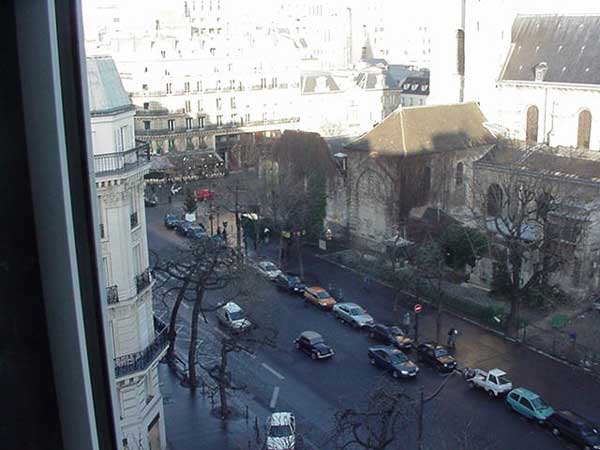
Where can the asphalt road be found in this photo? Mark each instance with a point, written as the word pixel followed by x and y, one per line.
pixel 282 378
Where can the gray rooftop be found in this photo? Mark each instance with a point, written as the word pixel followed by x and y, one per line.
pixel 106 91
pixel 568 45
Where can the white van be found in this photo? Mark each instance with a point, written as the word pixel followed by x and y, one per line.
pixel 232 316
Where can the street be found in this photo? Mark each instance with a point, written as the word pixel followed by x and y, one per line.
pixel 283 379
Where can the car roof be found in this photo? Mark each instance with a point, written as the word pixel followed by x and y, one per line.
pixel 573 417
pixel 231 307
pixel 385 349
pixel 348 304
pixel 525 393
pixel 497 372
pixel 281 418
pixel 310 335
pixel 316 288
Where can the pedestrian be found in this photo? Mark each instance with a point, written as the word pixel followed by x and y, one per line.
pixel 267 233
pixel 224 235
pixel 366 283
pixel 219 231
pixel 452 333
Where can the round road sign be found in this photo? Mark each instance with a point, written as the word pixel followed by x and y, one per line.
pixel 418 308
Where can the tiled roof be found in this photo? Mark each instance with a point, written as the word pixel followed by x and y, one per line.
pixel 551 161
pixel 426 129
pixel 567 45
pixel 106 92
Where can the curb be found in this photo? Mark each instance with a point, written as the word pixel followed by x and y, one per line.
pixel 562 361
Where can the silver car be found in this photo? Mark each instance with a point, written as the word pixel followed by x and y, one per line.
pixel 353 314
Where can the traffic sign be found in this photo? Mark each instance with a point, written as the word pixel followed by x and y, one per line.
pixel 418 308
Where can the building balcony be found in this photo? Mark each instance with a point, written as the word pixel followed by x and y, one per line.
pixel 122 162
pixel 127 365
pixel 143 280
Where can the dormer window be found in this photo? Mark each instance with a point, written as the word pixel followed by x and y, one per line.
pixel 406 86
pixel 540 71
pixel 414 87
pixel 341 160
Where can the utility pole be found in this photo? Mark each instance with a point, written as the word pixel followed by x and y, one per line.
pixel 420 418
pixel 237 217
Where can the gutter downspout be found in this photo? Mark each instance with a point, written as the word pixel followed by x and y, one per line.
pixel 551 124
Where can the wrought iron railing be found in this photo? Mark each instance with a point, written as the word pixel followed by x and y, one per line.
pixel 119 162
pixel 143 280
pixel 112 294
pixel 139 361
pixel 215 127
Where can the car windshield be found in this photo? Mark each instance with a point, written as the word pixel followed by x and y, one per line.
pixel 316 340
pixel 295 280
pixel 357 311
pixel 398 358
pixel 441 352
pixel 503 380
pixel 280 431
pixel 236 315
pixel 269 266
pixel 396 331
pixel 538 403
pixel 323 294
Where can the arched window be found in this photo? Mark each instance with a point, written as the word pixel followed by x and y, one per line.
pixel 584 129
pixel 531 133
pixel 494 200
pixel 460 52
pixel 459 174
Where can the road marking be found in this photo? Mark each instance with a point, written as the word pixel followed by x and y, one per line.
pixel 274 397
pixel 220 332
pixel 250 354
pixel 273 371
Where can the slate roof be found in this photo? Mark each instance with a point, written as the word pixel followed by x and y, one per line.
pixel 401 71
pixel 567 44
pixel 415 86
pixel 106 92
pixel 427 129
pixel 551 161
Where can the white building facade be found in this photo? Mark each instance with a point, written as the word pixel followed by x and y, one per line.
pixel 138 339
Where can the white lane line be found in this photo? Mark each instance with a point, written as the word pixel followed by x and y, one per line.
pixel 251 355
pixel 220 332
pixel 273 371
pixel 274 397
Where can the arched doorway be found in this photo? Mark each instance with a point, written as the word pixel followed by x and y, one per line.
pixel 584 129
pixel 494 200
pixel 531 133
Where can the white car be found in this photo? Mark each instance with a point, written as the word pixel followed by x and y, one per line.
pixel 269 270
pixel 232 316
pixel 494 382
pixel 281 431
pixel 353 314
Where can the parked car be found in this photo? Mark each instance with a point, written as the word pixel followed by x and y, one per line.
pixel 437 356
pixel 182 227
pixel 171 221
pixel 393 360
pixel 353 314
pixel 529 404
pixel 204 194
pixel 281 431
pixel 574 428
pixel 318 297
pixel 390 336
pixel 290 283
pixel 313 344
pixel 494 382
pixel 196 232
pixel 596 304
pixel 232 317
pixel 268 269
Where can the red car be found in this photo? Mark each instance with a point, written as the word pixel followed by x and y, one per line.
pixel 204 194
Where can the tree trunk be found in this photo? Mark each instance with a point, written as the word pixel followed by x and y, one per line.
pixel 173 325
pixel 223 381
pixel 438 318
pixel 516 262
pixel 192 378
pixel 280 249
pixel 300 261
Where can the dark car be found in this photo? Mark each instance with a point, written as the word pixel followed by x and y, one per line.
pixel 393 360
pixel 575 429
pixel 182 227
pixel 390 336
pixel 196 232
pixel 290 283
pixel 313 344
pixel 150 202
pixel 437 356
pixel 171 221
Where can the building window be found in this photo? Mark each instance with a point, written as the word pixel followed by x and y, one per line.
pixel 232 101
pixel 234 119
pixel 219 120
pixel 201 122
pixel 189 123
pixel 531 133
pixel 584 129
pixel 460 52
pixel 263 83
pixel 171 144
pixel 189 145
pixel 274 82
pixel 186 86
pixel 247 117
pixel 169 91
pixel 146 106
pixel 494 200
pixel 188 106
pixel 171 124
pixel 144 87
pixel 459 174
pixel 133 216
pixel 198 86
pixel 219 103
pixel 146 124
pixel 212 50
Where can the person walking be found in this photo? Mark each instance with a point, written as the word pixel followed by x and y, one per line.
pixel 452 333
pixel 267 233
pixel 366 283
